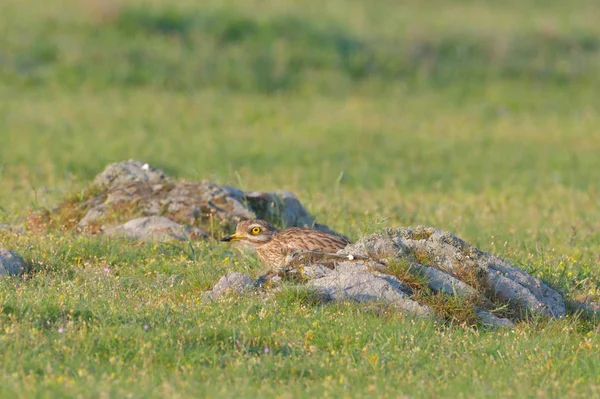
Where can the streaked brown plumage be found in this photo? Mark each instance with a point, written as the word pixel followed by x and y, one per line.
pixel 274 245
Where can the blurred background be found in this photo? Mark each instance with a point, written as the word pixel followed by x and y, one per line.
pixel 480 117
pixel 476 116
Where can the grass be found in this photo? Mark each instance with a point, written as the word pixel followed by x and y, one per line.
pixel 474 117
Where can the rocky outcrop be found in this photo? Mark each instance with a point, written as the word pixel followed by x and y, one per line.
pixel 128 172
pixel 433 261
pixel 127 191
pixel 456 258
pixel 155 228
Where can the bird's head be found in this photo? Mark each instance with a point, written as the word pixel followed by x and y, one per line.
pixel 254 232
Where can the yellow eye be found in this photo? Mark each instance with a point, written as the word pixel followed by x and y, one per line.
pixel 255 231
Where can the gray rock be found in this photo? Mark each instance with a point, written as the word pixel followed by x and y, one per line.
pixel 491 320
pixel 445 283
pixel 353 281
pixel 185 202
pixel 11 264
pixel 283 208
pixel 232 282
pixel 448 260
pixel 135 189
pixel 5 227
pixel 379 246
pixel 450 254
pixel 383 248
pixel 312 272
pixel 125 172
pixel 360 272
pixel 152 228
pixel 93 216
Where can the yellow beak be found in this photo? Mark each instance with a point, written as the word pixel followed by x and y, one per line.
pixel 233 237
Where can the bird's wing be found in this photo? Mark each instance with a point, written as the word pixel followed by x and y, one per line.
pixel 295 239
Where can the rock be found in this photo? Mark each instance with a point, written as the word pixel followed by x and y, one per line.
pixel 133 189
pixel 361 272
pixel 4 227
pixel 449 265
pixel 283 208
pixel 378 246
pixel 153 228
pixel 383 248
pixel 93 216
pixel 444 253
pixel 11 264
pixel 125 172
pixel 445 283
pixel 353 281
pixel 313 272
pixel 232 282
pixel 451 255
pixel 490 320
pixel 184 202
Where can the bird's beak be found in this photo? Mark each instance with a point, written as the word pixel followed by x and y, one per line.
pixel 233 237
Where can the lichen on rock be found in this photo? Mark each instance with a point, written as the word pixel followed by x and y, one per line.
pixel 127 191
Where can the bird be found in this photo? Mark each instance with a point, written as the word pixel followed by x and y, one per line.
pixel 273 246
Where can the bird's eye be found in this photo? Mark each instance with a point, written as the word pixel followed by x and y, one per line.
pixel 255 230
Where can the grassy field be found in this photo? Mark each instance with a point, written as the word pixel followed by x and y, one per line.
pixel 482 118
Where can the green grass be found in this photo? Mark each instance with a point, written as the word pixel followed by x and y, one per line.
pixel 476 117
